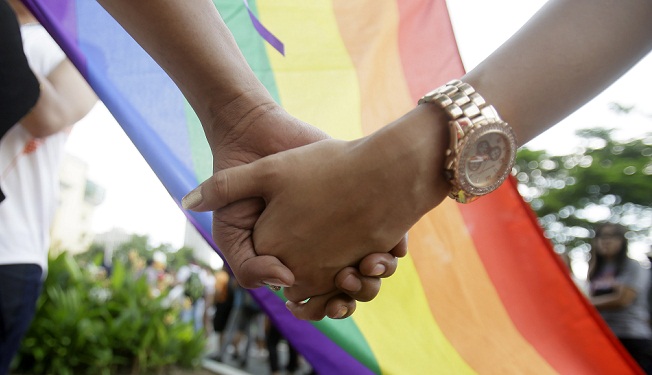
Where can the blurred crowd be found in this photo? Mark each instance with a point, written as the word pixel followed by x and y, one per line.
pixel 226 313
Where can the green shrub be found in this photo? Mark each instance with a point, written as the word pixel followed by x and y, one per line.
pixel 87 323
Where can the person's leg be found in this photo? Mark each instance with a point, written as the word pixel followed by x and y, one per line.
pixel 20 286
pixel 641 351
pixel 220 320
pixel 198 314
pixel 272 339
pixel 293 361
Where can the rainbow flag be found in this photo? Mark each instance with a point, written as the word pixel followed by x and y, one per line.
pixel 481 290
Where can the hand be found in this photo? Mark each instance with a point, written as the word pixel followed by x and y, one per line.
pixel 271 131
pixel 331 203
pixel 338 305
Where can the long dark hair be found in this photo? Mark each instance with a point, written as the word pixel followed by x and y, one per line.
pixel 598 261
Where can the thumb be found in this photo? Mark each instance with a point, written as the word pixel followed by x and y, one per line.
pixel 264 270
pixel 225 187
pixel 233 235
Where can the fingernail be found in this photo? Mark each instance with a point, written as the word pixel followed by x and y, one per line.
pixel 291 305
pixel 276 283
pixel 378 270
pixel 192 199
pixel 351 284
pixel 340 313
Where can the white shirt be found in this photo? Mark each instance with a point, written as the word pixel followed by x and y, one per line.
pixel 30 180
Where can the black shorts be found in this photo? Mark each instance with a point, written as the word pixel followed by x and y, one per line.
pixel 222 313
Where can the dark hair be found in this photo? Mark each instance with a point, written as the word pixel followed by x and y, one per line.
pixel 621 256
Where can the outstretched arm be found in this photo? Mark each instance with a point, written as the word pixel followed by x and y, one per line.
pixel 377 187
pixel 65 99
pixel 569 52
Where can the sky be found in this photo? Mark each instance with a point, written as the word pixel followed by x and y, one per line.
pixel 137 202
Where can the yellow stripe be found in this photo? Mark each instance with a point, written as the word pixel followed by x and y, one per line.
pixel 370 32
pixel 397 325
pixel 463 299
pixel 312 42
pixel 402 333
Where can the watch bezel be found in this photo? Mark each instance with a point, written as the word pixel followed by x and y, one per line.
pixel 463 190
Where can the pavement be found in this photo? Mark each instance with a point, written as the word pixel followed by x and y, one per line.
pixel 256 362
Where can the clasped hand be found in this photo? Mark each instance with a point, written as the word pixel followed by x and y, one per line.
pixel 309 217
pixel 263 246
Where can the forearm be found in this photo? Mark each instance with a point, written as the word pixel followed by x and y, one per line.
pixel 621 297
pixel 189 40
pixel 564 56
pixel 569 52
pixel 65 98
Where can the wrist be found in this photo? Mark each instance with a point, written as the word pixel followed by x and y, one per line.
pixel 227 118
pixel 413 148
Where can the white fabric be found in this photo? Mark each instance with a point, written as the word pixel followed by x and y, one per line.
pixel 43 53
pixel 31 184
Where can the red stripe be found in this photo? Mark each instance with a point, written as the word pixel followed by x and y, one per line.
pixel 431 58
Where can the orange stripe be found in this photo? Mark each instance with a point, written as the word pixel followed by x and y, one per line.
pixel 369 31
pixel 385 96
pixel 463 299
pixel 536 290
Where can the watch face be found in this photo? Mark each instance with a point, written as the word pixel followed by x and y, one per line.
pixel 486 159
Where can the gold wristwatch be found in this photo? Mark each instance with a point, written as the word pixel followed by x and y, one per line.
pixel 482 147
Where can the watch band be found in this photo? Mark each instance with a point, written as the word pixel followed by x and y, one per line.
pixel 465 108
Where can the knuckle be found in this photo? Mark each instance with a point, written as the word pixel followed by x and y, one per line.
pixel 221 185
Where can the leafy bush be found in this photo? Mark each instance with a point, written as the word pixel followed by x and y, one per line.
pixel 87 323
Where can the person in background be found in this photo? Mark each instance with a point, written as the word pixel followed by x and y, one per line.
pixel 223 305
pixel 649 294
pixel 19 88
pixel 151 275
pixel 273 338
pixel 30 154
pixel 208 279
pixel 191 278
pixel 618 288
pixel 248 327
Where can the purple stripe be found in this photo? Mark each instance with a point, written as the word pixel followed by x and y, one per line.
pixel 266 34
pixel 324 355
pixel 320 351
pixel 59 17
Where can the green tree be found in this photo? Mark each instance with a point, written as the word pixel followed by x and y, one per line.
pixel 605 179
pixel 138 244
pixel 141 246
pixel 181 257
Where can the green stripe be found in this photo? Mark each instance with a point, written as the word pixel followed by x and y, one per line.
pixel 343 332
pixel 252 46
pixel 202 158
pixel 346 334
